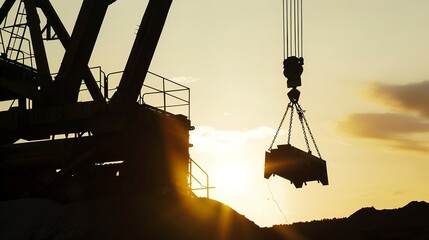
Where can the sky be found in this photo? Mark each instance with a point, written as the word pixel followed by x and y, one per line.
pixel 365 81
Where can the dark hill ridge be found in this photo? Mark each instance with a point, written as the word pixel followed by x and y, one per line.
pixel 409 222
pixel 169 217
pixel 412 215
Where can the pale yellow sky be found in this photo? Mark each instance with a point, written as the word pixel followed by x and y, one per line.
pixel 231 54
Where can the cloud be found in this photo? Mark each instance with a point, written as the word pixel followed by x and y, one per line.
pixel 398 193
pixel 405 127
pixel 396 130
pixel 382 125
pixel 209 139
pixel 411 97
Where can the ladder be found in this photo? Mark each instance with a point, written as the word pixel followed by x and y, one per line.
pixel 17 48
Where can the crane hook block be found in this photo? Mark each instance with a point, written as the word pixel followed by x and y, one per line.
pixel 294 95
pixel 292 70
pixel 295 165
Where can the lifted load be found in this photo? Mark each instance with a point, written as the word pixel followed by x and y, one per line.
pixel 290 162
pixel 295 165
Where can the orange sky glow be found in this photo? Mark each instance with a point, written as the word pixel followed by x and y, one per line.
pixel 365 92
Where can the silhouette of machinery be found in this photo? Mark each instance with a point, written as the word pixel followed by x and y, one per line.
pixel 288 161
pixel 53 145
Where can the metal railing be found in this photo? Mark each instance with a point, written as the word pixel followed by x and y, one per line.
pixel 193 179
pixel 158 91
pixel 21 54
pixel 174 95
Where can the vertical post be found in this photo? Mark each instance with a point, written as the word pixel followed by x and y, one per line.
pixel 106 87
pixel 189 104
pixel 190 174
pixel 208 186
pixel 163 93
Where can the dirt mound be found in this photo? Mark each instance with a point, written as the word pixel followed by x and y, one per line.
pixel 163 217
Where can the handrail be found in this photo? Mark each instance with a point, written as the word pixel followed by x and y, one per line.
pixel 192 177
pixel 16 53
pixel 168 80
pixel 167 93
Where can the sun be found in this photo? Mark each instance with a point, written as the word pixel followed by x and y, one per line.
pixel 231 178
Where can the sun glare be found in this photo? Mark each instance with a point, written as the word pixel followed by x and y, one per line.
pixel 231 178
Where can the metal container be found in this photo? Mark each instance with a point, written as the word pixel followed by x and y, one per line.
pixel 295 165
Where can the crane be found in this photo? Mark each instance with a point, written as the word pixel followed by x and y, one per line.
pixel 53 145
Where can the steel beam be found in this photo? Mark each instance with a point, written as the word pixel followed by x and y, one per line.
pixel 33 22
pixel 64 38
pixel 142 52
pixel 77 55
pixel 5 8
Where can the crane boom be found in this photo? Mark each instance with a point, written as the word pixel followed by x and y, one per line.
pixel 77 55
pixel 142 52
